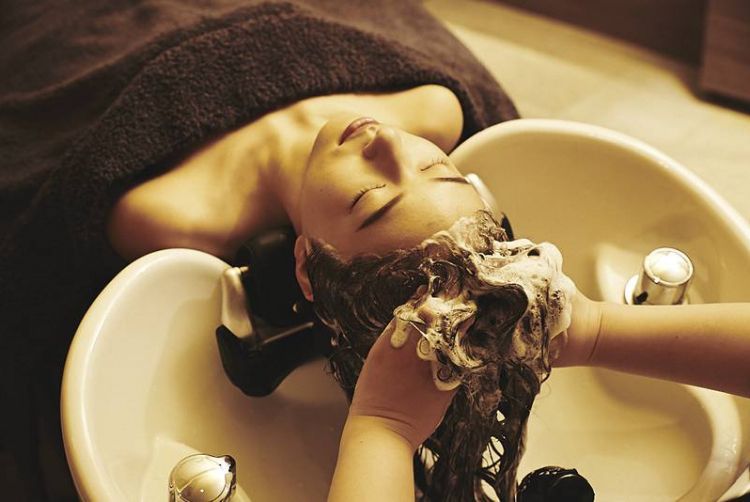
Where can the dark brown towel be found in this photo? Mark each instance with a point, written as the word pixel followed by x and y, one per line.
pixel 95 96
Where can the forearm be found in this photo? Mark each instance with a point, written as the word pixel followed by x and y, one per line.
pixel 706 345
pixel 374 464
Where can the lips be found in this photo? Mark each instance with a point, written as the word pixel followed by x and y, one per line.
pixel 355 127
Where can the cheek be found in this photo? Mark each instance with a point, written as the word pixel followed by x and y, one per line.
pixel 321 212
pixel 324 198
pixel 331 185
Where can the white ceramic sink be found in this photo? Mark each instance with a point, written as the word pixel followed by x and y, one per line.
pixel 144 387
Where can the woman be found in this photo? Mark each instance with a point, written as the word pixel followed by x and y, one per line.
pixel 358 184
pixel 217 103
pixel 201 125
pixel 350 181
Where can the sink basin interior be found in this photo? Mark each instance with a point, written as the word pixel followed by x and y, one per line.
pixel 653 423
pixel 144 386
pixel 162 394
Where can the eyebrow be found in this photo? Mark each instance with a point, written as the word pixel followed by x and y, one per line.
pixel 389 205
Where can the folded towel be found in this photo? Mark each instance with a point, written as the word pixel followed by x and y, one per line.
pixel 95 97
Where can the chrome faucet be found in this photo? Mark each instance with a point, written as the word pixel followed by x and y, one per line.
pixel 664 279
pixel 203 478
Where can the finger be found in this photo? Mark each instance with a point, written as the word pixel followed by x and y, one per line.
pixel 444 379
pixel 391 339
pixel 401 334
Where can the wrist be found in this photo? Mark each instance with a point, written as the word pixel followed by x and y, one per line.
pixel 362 427
pixel 583 334
pixel 587 348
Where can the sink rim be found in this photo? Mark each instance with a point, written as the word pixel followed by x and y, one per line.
pixel 88 475
pixel 688 180
pixel 725 456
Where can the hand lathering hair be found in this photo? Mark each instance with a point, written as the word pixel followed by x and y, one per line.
pixel 356 299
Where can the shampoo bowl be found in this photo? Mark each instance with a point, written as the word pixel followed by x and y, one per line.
pixel 144 386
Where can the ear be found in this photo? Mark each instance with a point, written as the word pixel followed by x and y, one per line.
pixel 301 248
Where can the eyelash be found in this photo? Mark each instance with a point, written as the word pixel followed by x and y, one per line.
pixel 364 191
pixel 436 161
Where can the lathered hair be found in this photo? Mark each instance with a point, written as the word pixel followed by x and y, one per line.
pixel 513 322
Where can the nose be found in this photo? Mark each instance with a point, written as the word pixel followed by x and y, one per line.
pixel 387 153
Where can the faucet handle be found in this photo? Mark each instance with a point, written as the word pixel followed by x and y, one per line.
pixel 203 478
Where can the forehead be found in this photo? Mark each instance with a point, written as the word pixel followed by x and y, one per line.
pixel 416 217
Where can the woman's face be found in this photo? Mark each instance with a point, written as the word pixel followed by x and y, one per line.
pixel 369 187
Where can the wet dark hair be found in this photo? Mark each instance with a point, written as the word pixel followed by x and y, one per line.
pixel 356 299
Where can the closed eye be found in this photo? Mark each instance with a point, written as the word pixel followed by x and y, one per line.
pixel 438 161
pixel 452 179
pixel 362 193
pixel 391 203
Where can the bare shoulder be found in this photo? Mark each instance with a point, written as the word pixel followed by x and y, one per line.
pixel 447 103
pixel 143 220
pixel 207 202
pixel 136 227
pixel 438 112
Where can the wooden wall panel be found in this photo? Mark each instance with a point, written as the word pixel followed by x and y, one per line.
pixel 671 27
pixel 726 56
